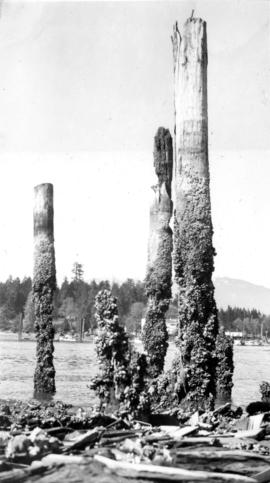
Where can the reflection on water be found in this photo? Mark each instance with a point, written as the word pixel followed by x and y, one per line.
pixel 76 363
pixel 43 396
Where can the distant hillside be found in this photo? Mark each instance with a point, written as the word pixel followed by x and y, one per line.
pixel 230 291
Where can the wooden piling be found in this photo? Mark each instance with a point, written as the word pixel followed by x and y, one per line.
pixel 44 285
pixel 193 249
pixel 20 328
pixel 159 266
pixel 82 322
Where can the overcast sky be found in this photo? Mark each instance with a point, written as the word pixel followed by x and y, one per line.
pixel 84 87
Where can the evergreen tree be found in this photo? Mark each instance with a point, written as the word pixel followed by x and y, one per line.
pixel 78 272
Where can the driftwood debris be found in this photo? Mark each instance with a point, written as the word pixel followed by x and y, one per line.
pixel 88 442
pixel 22 474
pixel 61 459
pixel 87 439
pixel 263 477
pixel 153 472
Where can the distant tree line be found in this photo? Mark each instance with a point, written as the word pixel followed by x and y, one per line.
pixel 75 300
pixel 252 322
pixel 13 297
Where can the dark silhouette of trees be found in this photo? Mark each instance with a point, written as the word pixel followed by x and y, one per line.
pixel 13 296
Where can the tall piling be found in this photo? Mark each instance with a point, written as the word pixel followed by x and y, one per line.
pixel 82 324
pixel 44 285
pixel 159 267
pixel 193 249
pixel 20 327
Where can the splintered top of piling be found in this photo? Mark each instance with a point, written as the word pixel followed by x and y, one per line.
pixel 192 42
pixel 194 20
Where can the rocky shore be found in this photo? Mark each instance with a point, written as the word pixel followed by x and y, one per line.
pixel 49 442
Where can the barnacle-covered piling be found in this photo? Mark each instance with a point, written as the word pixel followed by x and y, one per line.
pixel 112 350
pixel 158 277
pixel 265 391
pixel 121 380
pixel 44 284
pixel 193 250
pixel 225 366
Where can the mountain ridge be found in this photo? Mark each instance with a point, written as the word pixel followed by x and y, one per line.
pixel 240 293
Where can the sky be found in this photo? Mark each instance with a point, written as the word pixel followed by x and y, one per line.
pixel 84 86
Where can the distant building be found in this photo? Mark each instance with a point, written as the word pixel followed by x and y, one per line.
pixel 234 335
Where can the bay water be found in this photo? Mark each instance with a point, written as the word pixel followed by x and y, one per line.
pixel 76 363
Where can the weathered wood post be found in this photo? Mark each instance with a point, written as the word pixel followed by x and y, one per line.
pixel 159 267
pixel 20 328
pixel 44 284
pixel 193 250
pixel 80 335
pixel 82 322
pixel 83 325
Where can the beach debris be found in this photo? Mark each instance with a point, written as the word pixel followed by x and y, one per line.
pixel 56 417
pixel 265 391
pixel 22 474
pixel 251 422
pixel 177 433
pixel 258 407
pixel 17 448
pixel 59 459
pixel 4 437
pixel 227 451
pixel 152 472
pixel 5 421
pixel 24 449
pixel 87 439
pixel 263 476
pixel 251 433
pixel 228 410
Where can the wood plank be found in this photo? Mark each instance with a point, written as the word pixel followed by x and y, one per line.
pixel 231 455
pixel 85 440
pixel 57 459
pixel 177 433
pixel 251 433
pixel 263 476
pixel 133 470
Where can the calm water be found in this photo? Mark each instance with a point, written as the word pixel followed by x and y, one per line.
pixel 76 363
